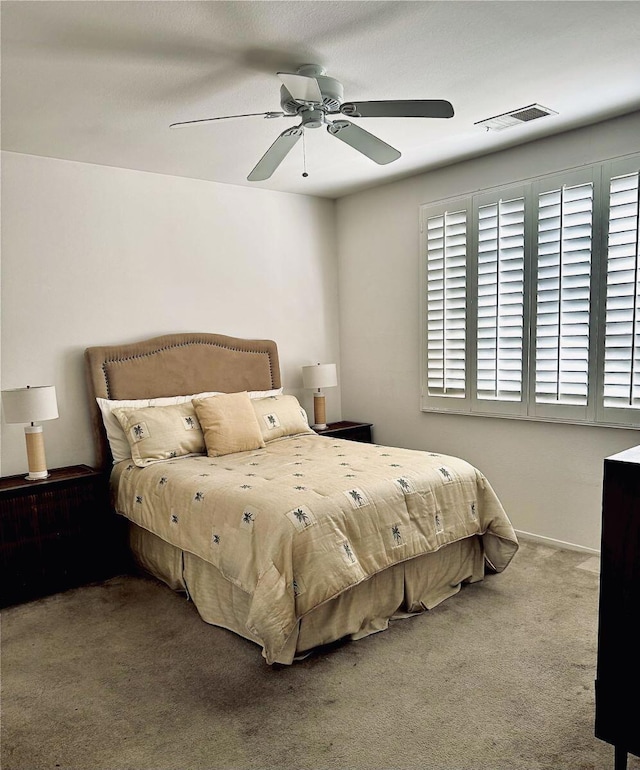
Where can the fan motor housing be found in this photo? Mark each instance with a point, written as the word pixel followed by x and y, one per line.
pixel 330 88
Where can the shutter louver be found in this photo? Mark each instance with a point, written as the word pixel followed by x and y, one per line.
pixel 500 328
pixel 446 304
pixel 622 323
pixel 565 223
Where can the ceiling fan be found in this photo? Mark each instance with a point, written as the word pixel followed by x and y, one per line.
pixel 312 96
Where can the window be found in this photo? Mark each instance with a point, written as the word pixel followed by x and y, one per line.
pixel 532 299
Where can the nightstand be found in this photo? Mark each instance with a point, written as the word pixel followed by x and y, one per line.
pixel 354 431
pixel 57 533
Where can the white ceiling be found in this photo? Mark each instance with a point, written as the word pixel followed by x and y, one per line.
pixel 100 82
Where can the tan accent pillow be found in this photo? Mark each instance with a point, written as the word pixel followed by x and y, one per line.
pixel 280 416
pixel 229 423
pixel 159 433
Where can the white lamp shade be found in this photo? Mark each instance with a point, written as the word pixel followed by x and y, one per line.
pixel 30 404
pixel 319 376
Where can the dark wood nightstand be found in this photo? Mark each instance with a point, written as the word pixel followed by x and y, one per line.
pixel 354 431
pixel 57 533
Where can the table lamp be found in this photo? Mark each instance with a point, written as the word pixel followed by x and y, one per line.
pixel 318 377
pixel 32 405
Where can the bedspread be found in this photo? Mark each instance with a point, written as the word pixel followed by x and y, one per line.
pixel 307 517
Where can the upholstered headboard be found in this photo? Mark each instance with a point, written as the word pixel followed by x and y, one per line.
pixel 176 365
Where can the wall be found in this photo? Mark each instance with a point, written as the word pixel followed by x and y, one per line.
pixel 94 255
pixel 548 476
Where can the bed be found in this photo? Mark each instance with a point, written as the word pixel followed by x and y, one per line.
pixel 285 537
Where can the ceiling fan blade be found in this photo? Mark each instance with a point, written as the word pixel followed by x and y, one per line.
pixel 301 87
pixel 274 156
pixel 186 123
pixel 412 108
pixel 363 141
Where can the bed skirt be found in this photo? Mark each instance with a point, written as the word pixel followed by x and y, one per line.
pixel 399 591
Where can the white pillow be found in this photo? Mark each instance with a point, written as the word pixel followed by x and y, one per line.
pixel 265 393
pixel 120 448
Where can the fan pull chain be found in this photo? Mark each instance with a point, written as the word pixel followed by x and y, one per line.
pixel 304 157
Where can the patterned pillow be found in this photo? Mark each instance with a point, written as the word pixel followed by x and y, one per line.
pixel 158 433
pixel 229 423
pixel 280 416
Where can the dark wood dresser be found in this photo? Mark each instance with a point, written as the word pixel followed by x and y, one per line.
pixel 57 533
pixel 617 684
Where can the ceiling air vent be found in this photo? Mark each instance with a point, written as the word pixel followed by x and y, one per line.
pixel 515 117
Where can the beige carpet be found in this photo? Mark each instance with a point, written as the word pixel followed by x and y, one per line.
pixel 126 675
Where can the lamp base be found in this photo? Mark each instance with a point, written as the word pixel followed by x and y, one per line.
pixel 35 453
pixel 319 412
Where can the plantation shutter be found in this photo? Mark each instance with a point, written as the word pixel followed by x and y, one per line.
pixel 446 287
pixel 622 319
pixel 562 299
pixel 501 293
pixel 531 299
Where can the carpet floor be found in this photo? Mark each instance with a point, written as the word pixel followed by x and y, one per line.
pixel 124 675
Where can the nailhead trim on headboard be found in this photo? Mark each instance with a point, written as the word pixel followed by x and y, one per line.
pixel 182 345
